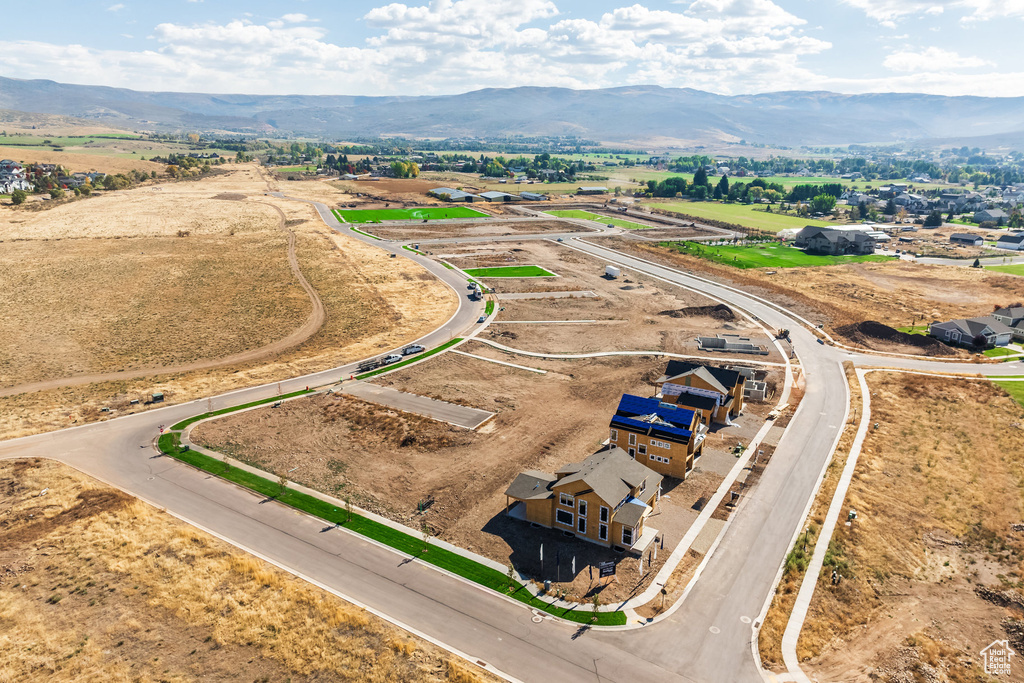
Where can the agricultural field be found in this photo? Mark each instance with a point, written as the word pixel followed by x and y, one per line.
pixel 509 271
pixel 604 220
pixel 101 586
pixel 931 566
pixel 419 213
pixel 747 215
pixel 767 255
pixel 1017 269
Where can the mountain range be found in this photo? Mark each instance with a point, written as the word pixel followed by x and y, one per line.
pixel 633 114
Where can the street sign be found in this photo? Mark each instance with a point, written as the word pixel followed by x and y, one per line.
pixel 606 569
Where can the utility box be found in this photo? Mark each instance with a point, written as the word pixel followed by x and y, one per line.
pixel 612 271
pixel 157 397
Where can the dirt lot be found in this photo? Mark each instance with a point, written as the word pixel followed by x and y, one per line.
pixel 938 492
pixel 636 313
pixel 80 162
pixel 426 231
pixel 541 422
pixel 368 299
pixel 95 585
pixel 897 294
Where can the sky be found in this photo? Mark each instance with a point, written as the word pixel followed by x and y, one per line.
pixel 420 47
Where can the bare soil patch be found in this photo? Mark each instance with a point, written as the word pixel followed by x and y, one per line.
pixel 541 422
pixel 939 493
pixel 426 231
pixel 96 585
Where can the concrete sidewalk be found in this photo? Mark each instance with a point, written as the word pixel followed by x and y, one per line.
pixel 460 416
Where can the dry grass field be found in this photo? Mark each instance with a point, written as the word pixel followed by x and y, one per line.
pixel 939 494
pixel 150 299
pixel 80 162
pixel 96 585
pixel 896 294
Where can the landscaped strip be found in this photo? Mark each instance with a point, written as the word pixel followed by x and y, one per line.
pixel 337 214
pixel 354 229
pixel 421 356
pixel 489 308
pixel 509 271
pixel 406 246
pixel 416 213
pixel 598 218
pixel 439 557
pixel 185 423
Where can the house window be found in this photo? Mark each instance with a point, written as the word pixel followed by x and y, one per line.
pixel 602 532
pixel 563 517
pixel 627 536
pixel 567 500
pixel 632 439
pixel 632 453
pixel 583 508
pixel 615 435
pixel 581 525
pixel 604 514
pixel 642 449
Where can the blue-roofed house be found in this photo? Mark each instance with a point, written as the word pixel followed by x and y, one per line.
pixel 716 392
pixel 665 437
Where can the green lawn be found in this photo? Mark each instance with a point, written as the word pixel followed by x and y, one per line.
pixel 422 213
pixel 294 169
pixel 510 271
pixel 1014 389
pixel 1017 269
pixel 489 308
pixel 587 215
pixel 765 255
pixel 916 329
pixel 747 215
pixel 999 351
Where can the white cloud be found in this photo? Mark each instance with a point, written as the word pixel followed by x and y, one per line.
pixel 116 8
pixel 931 59
pixel 888 12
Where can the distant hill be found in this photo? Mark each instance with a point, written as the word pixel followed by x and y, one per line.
pixel 627 114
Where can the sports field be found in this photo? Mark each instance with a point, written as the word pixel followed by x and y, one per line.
pixel 765 256
pixel 742 214
pixel 510 271
pixel 421 213
pixel 1017 269
pixel 605 220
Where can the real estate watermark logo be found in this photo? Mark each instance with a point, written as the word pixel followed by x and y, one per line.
pixel 997 658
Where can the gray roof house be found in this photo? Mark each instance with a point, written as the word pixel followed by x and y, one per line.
pixel 964 331
pixel 1012 317
pixel 966 239
pixel 817 240
pixel 994 215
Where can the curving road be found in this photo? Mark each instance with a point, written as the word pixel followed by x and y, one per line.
pixel 708 638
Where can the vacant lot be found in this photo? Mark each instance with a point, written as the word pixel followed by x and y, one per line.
pixel 576 213
pixel 79 161
pixel 747 215
pixel 419 213
pixel 765 255
pixel 541 422
pixel 509 271
pixel 99 586
pixel 428 231
pixel 932 566
pixel 898 293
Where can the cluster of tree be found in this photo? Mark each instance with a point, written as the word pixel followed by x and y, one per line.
pixel 802 193
pixel 701 187
pixel 405 169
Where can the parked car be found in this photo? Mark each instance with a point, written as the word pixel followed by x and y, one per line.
pixel 393 358
pixel 482 319
pixel 414 348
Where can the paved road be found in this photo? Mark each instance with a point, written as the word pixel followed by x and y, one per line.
pixel 461 416
pixel 707 639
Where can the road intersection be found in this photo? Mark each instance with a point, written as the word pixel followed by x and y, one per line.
pixel 708 637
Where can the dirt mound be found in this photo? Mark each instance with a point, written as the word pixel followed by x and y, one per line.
pixel 871 330
pixel 719 312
